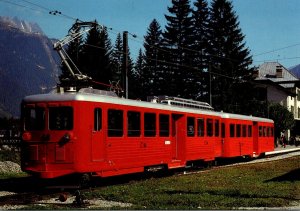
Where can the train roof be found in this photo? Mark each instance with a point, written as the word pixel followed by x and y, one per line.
pixel 245 117
pixel 59 97
pixel 107 98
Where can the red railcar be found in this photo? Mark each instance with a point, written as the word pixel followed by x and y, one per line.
pixel 91 131
pixel 241 137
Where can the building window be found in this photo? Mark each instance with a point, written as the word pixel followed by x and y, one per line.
pixel 292 110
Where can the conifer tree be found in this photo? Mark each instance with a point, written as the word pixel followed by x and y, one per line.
pixel 96 57
pixel 137 91
pixel 229 57
pixel 200 46
pixel 177 42
pixel 152 75
pixel 132 78
pixel 117 55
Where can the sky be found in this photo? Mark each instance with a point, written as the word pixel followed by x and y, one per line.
pixel 271 27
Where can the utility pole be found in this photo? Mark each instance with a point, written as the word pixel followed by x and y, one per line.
pixel 125 63
pixel 210 94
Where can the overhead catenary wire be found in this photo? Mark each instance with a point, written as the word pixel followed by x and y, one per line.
pixel 59 13
pixel 134 37
pixel 275 50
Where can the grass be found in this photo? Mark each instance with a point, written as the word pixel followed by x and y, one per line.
pixel 272 184
pixel 12 175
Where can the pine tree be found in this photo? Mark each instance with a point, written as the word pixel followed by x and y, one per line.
pixel 117 55
pixel 152 74
pixel 96 57
pixel 137 80
pixel 229 58
pixel 178 41
pixel 132 78
pixel 200 46
pixel 139 69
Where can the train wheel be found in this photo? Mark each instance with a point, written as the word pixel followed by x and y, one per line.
pixel 85 180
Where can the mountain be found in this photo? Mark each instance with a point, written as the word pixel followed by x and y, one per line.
pixel 28 63
pixel 295 70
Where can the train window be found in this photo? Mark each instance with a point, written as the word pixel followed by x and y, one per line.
pixel 249 130
pixel 272 132
pixel 217 128
pixel 265 132
pixel 34 118
pixel 190 126
pixel 97 119
pixel 232 130
pixel 60 118
pixel 209 123
pixel 260 131
pixel 200 123
pixel 223 130
pixel 244 130
pixel 164 125
pixel 134 123
pixel 238 130
pixel 149 124
pixel 115 123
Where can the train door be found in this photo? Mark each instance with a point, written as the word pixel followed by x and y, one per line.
pixel 255 138
pixel 218 138
pixel 97 145
pixel 178 137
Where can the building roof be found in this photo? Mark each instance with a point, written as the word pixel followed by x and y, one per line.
pixel 269 70
pixel 277 74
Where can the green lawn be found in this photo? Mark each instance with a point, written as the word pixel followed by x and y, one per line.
pixel 271 184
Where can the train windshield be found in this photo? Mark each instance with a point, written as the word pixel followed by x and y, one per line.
pixel 34 118
pixel 60 118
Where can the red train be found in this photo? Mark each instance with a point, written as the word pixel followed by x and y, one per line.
pixel 94 132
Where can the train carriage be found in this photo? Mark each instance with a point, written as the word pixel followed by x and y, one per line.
pixel 241 136
pixel 93 131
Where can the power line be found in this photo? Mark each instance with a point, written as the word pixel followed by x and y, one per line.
pixel 278 49
pixel 279 59
pixel 51 12
pixel 134 37
pixel 20 5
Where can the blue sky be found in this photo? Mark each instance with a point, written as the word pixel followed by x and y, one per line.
pixel 271 27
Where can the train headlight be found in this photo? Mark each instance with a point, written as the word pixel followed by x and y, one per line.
pixel 26 136
pixel 67 137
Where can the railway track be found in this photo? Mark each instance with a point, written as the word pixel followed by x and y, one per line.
pixel 18 193
pixel 271 156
